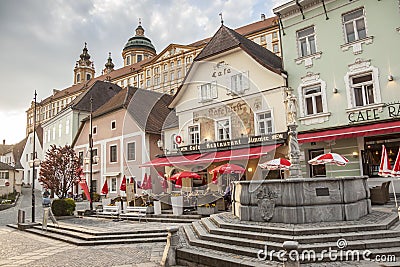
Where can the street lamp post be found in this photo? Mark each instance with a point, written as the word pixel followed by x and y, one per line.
pixel 91 155
pixel 34 158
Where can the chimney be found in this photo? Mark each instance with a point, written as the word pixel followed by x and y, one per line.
pixel 262 16
pixel 4 142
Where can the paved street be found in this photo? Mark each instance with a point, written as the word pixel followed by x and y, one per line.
pixel 24 249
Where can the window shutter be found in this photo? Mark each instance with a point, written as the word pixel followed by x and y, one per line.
pixel 214 90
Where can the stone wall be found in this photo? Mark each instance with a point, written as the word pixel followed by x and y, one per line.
pixel 302 200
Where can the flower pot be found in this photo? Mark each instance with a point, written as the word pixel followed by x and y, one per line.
pixel 177 205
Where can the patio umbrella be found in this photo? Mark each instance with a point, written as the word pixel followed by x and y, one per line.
pixel 384 168
pixel 149 185
pixel 396 166
pixel 122 187
pixel 329 158
pixel 143 184
pixel 276 164
pixel 104 190
pixel 227 168
pixel 185 174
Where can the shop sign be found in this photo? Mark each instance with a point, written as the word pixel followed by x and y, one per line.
pixel 246 141
pixel 392 112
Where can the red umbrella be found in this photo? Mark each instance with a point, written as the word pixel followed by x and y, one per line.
pixel 396 166
pixel 225 168
pixel 149 184
pixel 329 158
pixel 144 182
pixel 185 174
pixel 384 168
pixel 104 190
pixel 122 187
pixel 85 189
pixel 275 164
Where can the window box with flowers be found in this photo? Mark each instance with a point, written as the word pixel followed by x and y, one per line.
pixel 207 209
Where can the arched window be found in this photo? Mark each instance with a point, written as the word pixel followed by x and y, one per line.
pixel 128 60
pixel 88 77
pixel 78 77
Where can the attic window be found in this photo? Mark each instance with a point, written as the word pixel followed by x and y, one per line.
pixel 113 125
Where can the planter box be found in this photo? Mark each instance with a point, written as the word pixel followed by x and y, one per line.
pixel 177 205
pixel 206 210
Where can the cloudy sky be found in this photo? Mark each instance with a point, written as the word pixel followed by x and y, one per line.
pixel 42 39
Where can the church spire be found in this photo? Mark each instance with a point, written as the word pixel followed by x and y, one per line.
pixel 84 68
pixel 109 65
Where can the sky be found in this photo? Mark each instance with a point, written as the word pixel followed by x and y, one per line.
pixel 41 40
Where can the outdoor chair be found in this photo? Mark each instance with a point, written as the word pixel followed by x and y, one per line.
pixel 380 194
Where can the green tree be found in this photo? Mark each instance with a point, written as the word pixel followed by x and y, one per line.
pixel 60 170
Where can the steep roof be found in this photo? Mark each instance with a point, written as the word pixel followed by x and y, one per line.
pixel 5 149
pixel 226 39
pixel 171 121
pixel 100 91
pixel 4 166
pixel 17 152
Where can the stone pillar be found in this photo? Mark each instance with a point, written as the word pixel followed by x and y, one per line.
pixel 292 254
pixel 291 119
pixel 169 256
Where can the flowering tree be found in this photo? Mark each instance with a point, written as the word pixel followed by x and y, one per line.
pixel 60 170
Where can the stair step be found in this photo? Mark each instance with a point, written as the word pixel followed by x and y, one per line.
pixel 150 219
pixel 82 242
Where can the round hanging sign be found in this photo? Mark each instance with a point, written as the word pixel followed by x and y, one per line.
pixel 178 139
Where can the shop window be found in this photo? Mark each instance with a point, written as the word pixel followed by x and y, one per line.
pixel 264 123
pixel 194 134
pixel 306 42
pixel 223 128
pixel 317 170
pixel 207 92
pixel 354 25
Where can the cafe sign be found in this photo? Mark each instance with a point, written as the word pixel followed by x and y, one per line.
pixel 237 143
pixel 392 111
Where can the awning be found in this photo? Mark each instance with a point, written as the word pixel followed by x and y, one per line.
pixel 351 132
pixel 110 174
pixel 172 160
pixel 238 154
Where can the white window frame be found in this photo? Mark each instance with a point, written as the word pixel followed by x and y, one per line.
pixel 207 92
pixel 113 184
pixel 134 151
pixel 227 132
pixel 364 90
pixel 239 83
pixel 128 60
pixel 257 121
pixel 308 81
pixel 354 24
pixel 313 99
pixel 306 38
pixel 116 153
pixel 360 68
pixel 190 134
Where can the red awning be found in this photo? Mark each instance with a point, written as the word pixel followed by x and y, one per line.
pixel 351 132
pixel 238 154
pixel 172 160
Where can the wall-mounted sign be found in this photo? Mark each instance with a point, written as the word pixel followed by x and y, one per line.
pixel 235 143
pixel 388 111
pixel 178 139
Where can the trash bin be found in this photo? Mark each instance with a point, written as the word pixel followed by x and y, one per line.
pixel 21 216
pixel 157 207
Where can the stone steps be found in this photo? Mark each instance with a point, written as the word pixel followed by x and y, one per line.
pixel 163 219
pixel 82 238
pixel 212 237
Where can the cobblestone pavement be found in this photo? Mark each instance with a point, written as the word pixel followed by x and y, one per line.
pixel 24 249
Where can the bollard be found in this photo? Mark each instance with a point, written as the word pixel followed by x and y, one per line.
pixel 292 254
pixel 169 255
pixel 21 216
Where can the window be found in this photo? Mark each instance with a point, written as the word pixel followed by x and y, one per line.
pixel 88 77
pixel 172 76
pixel 67 127
pixel 78 78
pixel 128 60
pixel 148 82
pixel 147 72
pixel 94 154
pixel 363 90
pixel 165 66
pixel 131 151
pixel 354 25
pixel 262 38
pixel 264 123
pixel 306 42
pixel 165 78
pixel 59 130
pixel 54 132
pixel 207 92
pixel 317 170
pixel 239 83
pixel 178 62
pixel 173 142
pixel 179 74
pixel 139 58
pixel 94 130
pixel 4 175
pixel 194 134
pixel 113 184
pixel 313 99
pixel 113 125
pixel 275 48
pixel 80 156
pixel 172 65
pixel 274 35
pixel 113 153
pixel 223 129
